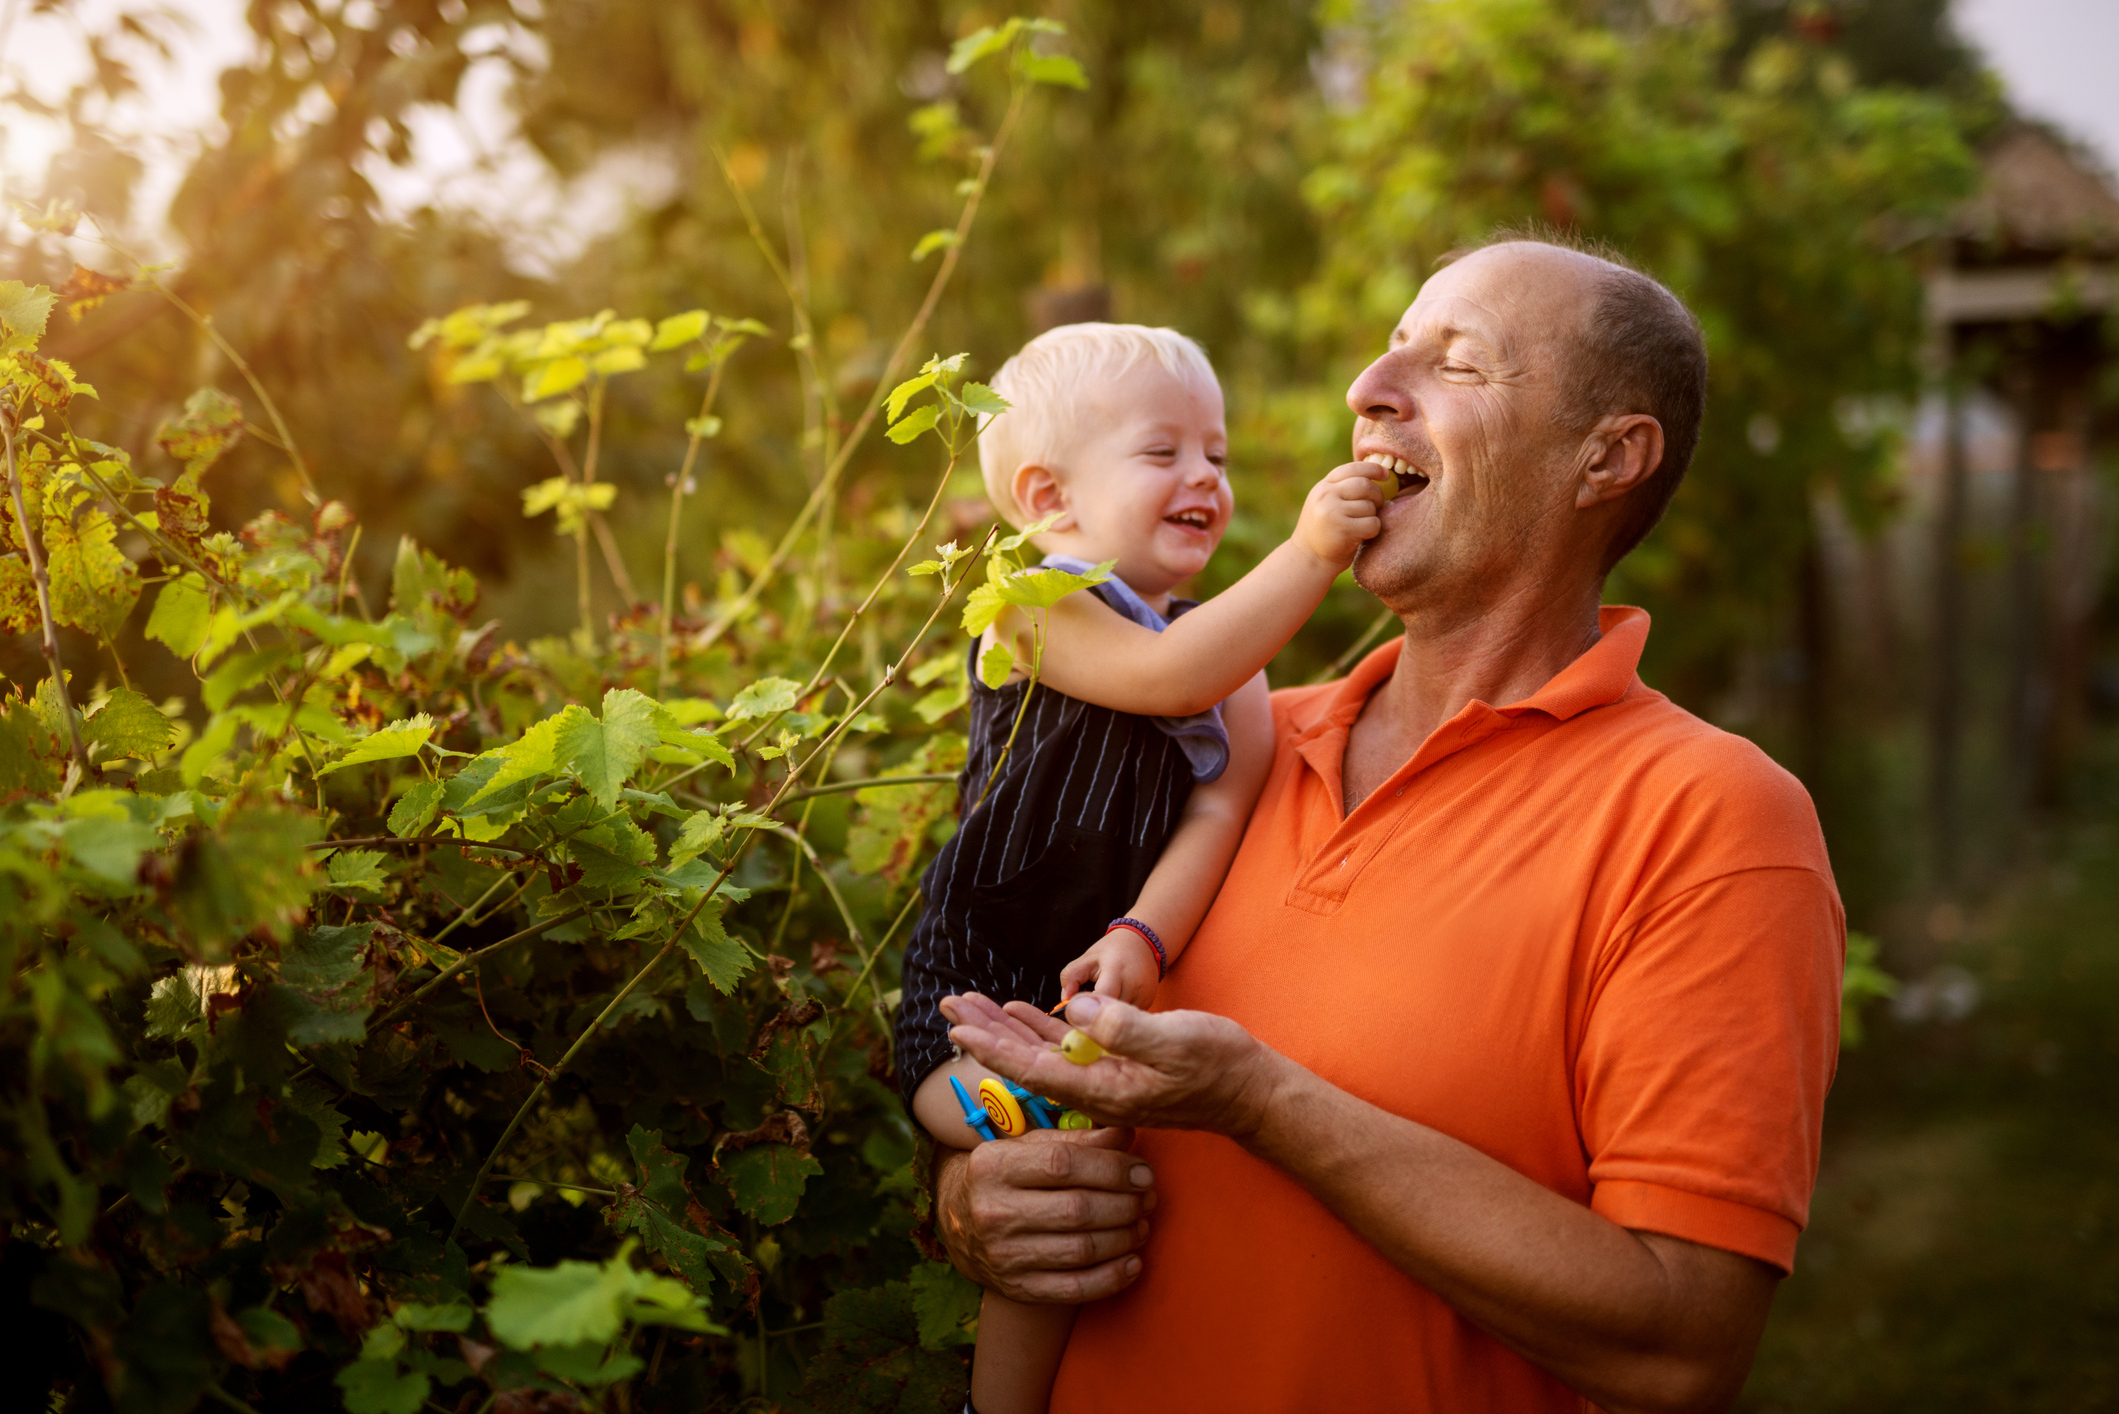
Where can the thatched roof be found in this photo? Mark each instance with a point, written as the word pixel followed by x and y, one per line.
pixel 2037 198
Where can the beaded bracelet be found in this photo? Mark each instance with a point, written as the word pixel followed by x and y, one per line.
pixel 1162 958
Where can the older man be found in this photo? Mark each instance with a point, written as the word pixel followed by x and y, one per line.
pixel 1494 1080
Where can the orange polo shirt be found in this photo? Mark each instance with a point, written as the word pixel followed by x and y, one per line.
pixel 1587 934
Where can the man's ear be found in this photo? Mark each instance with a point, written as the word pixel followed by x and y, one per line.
pixel 1039 493
pixel 1620 453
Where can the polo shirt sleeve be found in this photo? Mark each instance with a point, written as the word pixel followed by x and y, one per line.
pixel 1709 1043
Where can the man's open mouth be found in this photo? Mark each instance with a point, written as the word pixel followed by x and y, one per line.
pixel 1191 520
pixel 1405 480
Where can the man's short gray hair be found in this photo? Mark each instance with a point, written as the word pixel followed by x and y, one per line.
pixel 1639 350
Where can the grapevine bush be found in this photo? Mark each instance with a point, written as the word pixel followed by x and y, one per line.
pixel 415 1020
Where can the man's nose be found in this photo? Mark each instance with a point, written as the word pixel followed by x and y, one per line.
pixel 1379 393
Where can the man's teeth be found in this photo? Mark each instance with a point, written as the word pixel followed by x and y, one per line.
pixel 1403 477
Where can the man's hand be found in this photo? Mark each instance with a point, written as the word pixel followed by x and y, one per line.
pixel 1165 1070
pixel 1054 1216
pixel 1341 512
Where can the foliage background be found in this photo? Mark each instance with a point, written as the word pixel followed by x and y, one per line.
pixel 1274 180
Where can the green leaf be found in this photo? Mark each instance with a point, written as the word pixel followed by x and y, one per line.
pixel 702 427
pixel 1056 69
pixel 871 1359
pixel 379 1387
pixel 995 664
pixel 705 743
pixel 535 753
pixel 919 420
pixel 358 871
pixel 1042 588
pixel 679 329
pixel 415 1317
pixel 764 698
pixel 93 585
pixel 701 832
pixel 946 1304
pixel 398 740
pixel 415 809
pixel 766 1180
pixel 724 960
pixel 23 312
pixel 557 376
pixel 981 43
pixel 605 753
pixel 569 1304
pixel 129 725
pixel 109 848
pixel 932 242
pixel 982 399
pixel 981 607
pixel 593 1363
pixel 895 403
pixel 180 616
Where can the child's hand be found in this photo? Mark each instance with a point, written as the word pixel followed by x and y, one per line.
pixel 1119 964
pixel 1341 511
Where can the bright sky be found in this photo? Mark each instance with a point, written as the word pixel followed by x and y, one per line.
pixel 2057 57
pixel 2060 59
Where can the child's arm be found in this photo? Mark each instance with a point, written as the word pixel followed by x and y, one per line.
pixel 935 1105
pixel 1099 656
pixel 1185 879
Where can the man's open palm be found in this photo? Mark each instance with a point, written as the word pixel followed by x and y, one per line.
pixel 1162 1070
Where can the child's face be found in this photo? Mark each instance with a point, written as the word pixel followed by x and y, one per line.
pixel 1145 483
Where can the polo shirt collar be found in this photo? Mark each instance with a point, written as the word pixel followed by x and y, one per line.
pixel 1601 675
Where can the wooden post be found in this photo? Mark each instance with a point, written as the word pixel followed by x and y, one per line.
pixel 1945 699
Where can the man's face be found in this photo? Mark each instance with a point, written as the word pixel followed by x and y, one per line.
pixel 1466 397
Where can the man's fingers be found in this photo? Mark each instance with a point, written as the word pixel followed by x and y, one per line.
pixel 1051 1158
pixel 1044 1025
pixel 1072 1288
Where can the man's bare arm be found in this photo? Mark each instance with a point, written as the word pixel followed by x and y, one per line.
pixel 1635 1321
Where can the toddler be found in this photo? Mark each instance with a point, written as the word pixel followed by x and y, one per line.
pixel 1096 853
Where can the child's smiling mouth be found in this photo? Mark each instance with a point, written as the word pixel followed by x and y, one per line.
pixel 1197 520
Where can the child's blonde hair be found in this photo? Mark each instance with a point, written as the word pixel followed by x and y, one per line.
pixel 1045 383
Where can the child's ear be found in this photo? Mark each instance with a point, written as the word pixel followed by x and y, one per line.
pixel 1039 493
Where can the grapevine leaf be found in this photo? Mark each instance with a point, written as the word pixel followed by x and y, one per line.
pixel 379 1387
pixel 23 311
pixel 980 398
pixel 567 1304
pixel 701 832
pixel 93 585
pixel 871 1358
pixel 683 738
pixel 18 595
pixel 678 329
pixel 981 607
pixel 556 376
pixel 605 753
pixel 932 242
pixel 535 753
pixel 980 43
pixel 766 1180
pixel 1056 69
pixel 919 420
pixel 415 809
pixel 357 871
pixel 129 725
pixel 180 616
pixel 764 698
pixel 895 403
pixel 399 739
pixel 724 960
pixel 995 665
pixel 946 1304
pixel 210 424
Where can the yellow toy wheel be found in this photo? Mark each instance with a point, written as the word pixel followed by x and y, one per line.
pixel 1002 1108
